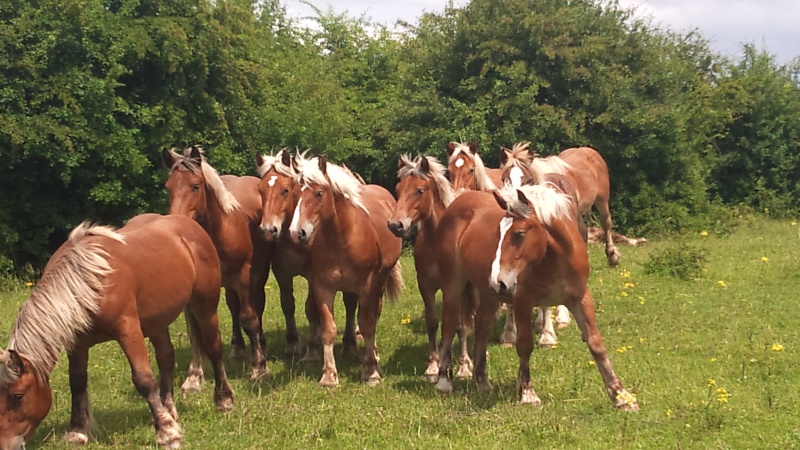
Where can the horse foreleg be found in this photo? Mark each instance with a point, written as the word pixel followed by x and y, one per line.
pixel 78 431
pixel 484 323
pixel 237 340
pixel 286 287
pixel 314 346
pixel 369 310
pixel 165 359
pixel 130 338
pixel 323 298
pixel 194 374
pixel 584 314
pixel 562 316
pixel 524 348
pixel 259 274
pixel 451 312
pixel 428 294
pixel 251 324
pixel 349 338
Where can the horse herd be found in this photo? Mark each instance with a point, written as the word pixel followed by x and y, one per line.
pixel 485 237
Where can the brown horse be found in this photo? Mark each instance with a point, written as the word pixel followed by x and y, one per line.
pixel 467 171
pixel 344 223
pixel 121 285
pixel 528 252
pixel 198 192
pixel 585 169
pixel 423 194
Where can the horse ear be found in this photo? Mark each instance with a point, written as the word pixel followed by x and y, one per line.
pixel 11 366
pixel 473 147
pixel 450 148
pixel 286 158
pixel 500 199
pixel 504 152
pixel 169 160
pixel 424 165
pixel 323 165
pixel 194 154
pixel 294 164
pixel 259 159
pixel 522 198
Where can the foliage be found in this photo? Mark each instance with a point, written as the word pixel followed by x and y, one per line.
pixel 679 260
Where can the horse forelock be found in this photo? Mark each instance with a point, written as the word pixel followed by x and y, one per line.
pixel 545 200
pixel 64 302
pixel 460 147
pixel 275 163
pixel 339 179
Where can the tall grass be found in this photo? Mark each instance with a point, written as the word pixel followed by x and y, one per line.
pixel 712 359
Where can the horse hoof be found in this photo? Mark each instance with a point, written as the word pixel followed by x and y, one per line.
pixel 614 258
pixel 530 398
pixel 76 437
pixel 225 404
pixel 484 386
pixel 444 386
pixel 373 380
pixel 293 350
pixel 508 339
pixel 431 378
pixel 310 356
pixel 260 375
pixel 192 385
pixel 464 372
pixel 329 380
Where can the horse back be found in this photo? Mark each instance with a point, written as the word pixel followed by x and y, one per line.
pixel 163 264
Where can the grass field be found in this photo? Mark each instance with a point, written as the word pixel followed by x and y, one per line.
pixel 713 361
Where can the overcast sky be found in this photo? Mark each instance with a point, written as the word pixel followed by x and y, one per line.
pixel 773 25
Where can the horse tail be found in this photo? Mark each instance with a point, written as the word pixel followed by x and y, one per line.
pixel 395 283
pixel 469 306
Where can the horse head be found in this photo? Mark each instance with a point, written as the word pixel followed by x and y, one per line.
pixel 24 401
pixel 415 195
pixel 315 202
pixel 277 189
pixel 186 184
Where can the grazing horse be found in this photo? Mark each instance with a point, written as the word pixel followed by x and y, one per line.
pixel 528 252
pixel 343 222
pixel 467 171
pixel 423 194
pixel 585 169
pixel 197 191
pixel 121 285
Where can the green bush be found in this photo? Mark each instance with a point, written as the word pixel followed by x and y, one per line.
pixel 679 260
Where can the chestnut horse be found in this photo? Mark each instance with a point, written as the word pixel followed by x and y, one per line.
pixel 197 191
pixel 423 194
pixel 528 252
pixel 585 169
pixel 344 223
pixel 121 285
pixel 467 171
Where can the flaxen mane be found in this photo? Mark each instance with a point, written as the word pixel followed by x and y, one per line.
pixel 226 200
pixel 276 163
pixel 63 304
pixel 481 177
pixel 547 201
pixel 339 179
pixel 436 173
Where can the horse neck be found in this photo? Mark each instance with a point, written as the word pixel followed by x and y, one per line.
pixel 427 226
pixel 214 219
pixel 343 224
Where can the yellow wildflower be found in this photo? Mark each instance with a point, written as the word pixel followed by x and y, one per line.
pixel 622 350
pixel 625 273
pixel 668 412
pixel 641 300
pixel 623 294
pixel 29 284
pixel 629 285
pixel 600 280
pixel 722 395
pixel 712 382
pixel 794 224
pixel 405 321
pixel 627 397
pixel 777 347
pixel 764 259
pixel 641 340
pixel 592 363
pixel 704 233
pixel 713 359
pixel 722 283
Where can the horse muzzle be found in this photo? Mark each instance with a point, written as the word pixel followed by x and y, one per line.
pixel 301 236
pixel 399 228
pixel 271 232
pixel 504 286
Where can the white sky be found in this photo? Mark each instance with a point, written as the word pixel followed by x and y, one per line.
pixel 773 25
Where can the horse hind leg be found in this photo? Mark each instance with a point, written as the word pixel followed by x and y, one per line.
pixel 509 335
pixel 165 359
pixel 237 340
pixel 584 314
pixel 613 255
pixel 130 338
pixel 293 347
pixel 205 329
pixel 349 338
pixel 524 348
pixel 431 373
pixel 78 431
pixel 548 337
pixel 369 311
pixel 194 374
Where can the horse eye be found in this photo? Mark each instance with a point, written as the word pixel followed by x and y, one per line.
pixel 420 191
pixel 285 191
pixel 517 237
pixel 195 187
pixel 471 171
pixel 319 193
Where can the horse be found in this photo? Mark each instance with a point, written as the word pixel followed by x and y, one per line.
pixel 598 236
pixel 197 191
pixel 529 252
pixel 343 222
pixel 104 284
pixel 585 169
pixel 423 194
pixel 467 171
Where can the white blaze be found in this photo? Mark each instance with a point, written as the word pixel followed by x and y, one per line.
pixel 272 180
pixel 459 162
pixel 515 176
pixel 505 224
pixel 296 216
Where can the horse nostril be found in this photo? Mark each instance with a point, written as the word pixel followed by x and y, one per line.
pixel 302 233
pixel 273 229
pixel 503 287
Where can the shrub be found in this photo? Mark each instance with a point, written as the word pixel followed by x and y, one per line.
pixel 679 260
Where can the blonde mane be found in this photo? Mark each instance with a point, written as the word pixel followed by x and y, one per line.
pixel 213 181
pixel 435 173
pixel 481 177
pixel 550 164
pixel 548 202
pixel 276 163
pixel 339 179
pixel 63 303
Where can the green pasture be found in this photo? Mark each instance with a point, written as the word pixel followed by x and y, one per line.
pixel 712 359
